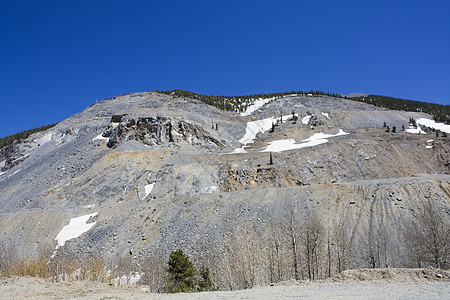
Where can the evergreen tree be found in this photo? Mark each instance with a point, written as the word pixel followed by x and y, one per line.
pixel 181 273
pixel 205 283
pixel 273 127
pixel 270 159
pixel 394 129
pixel 387 129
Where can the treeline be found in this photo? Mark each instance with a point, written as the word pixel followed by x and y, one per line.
pixel 22 135
pixel 238 103
pixel 440 113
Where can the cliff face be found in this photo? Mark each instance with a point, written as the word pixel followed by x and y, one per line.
pixel 164 173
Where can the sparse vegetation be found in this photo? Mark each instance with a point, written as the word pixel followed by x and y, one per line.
pixel 440 113
pixel 59 268
pixel 237 103
pixel 429 238
pixel 183 275
pixel 11 139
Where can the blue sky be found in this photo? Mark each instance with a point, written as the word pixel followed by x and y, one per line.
pixel 58 57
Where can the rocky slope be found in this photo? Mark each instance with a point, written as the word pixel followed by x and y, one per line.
pixel 163 173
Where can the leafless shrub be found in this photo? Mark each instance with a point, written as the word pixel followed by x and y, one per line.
pixel 313 235
pixel 428 238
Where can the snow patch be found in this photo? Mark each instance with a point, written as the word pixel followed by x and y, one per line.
pixel 256 105
pixel 14 173
pixel 417 130
pixel 238 151
pixel 100 137
pixel 148 189
pixel 255 127
pixel 76 227
pixel 127 279
pixel 432 124
pixel 306 119
pixel 45 139
pixel 326 115
pixel 289 144
pixel 319 136
pixel 114 124
pixel 89 206
pixel 211 189
pixel 20 158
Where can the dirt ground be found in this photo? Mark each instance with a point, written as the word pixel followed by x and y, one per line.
pixel 426 283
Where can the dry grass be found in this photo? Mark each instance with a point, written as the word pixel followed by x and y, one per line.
pixel 37 267
pixel 59 268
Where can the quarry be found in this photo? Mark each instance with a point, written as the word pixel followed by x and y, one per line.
pixel 295 188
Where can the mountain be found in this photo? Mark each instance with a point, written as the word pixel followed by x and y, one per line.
pixel 274 188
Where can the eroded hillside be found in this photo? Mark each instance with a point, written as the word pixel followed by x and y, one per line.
pixel 159 172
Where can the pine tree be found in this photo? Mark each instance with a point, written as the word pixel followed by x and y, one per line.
pixel 181 273
pixel 387 129
pixel 394 129
pixel 273 127
pixel 205 283
pixel 270 160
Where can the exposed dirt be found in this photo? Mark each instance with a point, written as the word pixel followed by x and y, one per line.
pixel 426 283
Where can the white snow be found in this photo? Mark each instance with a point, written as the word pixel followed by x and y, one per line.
pixel 100 137
pixel 114 124
pixel 319 136
pixel 148 189
pixel 89 206
pixel 256 105
pixel 22 157
pixel 76 227
pixel 289 144
pixel 417 130
pixel 428 147
pixel 45 139
pixel 14 173
pixel 255 127
pixel 211 189
pixel 238 151
pixel 1 173
pixel 326 115
pixel 306 119
pixel 432 124
pixel 126 280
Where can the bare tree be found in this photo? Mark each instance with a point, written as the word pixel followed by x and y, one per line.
pixel 313 235
pixel 342 236
pixel 290 222
pixel 429 237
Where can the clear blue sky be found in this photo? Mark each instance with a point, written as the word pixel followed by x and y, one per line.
pixel 58 57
